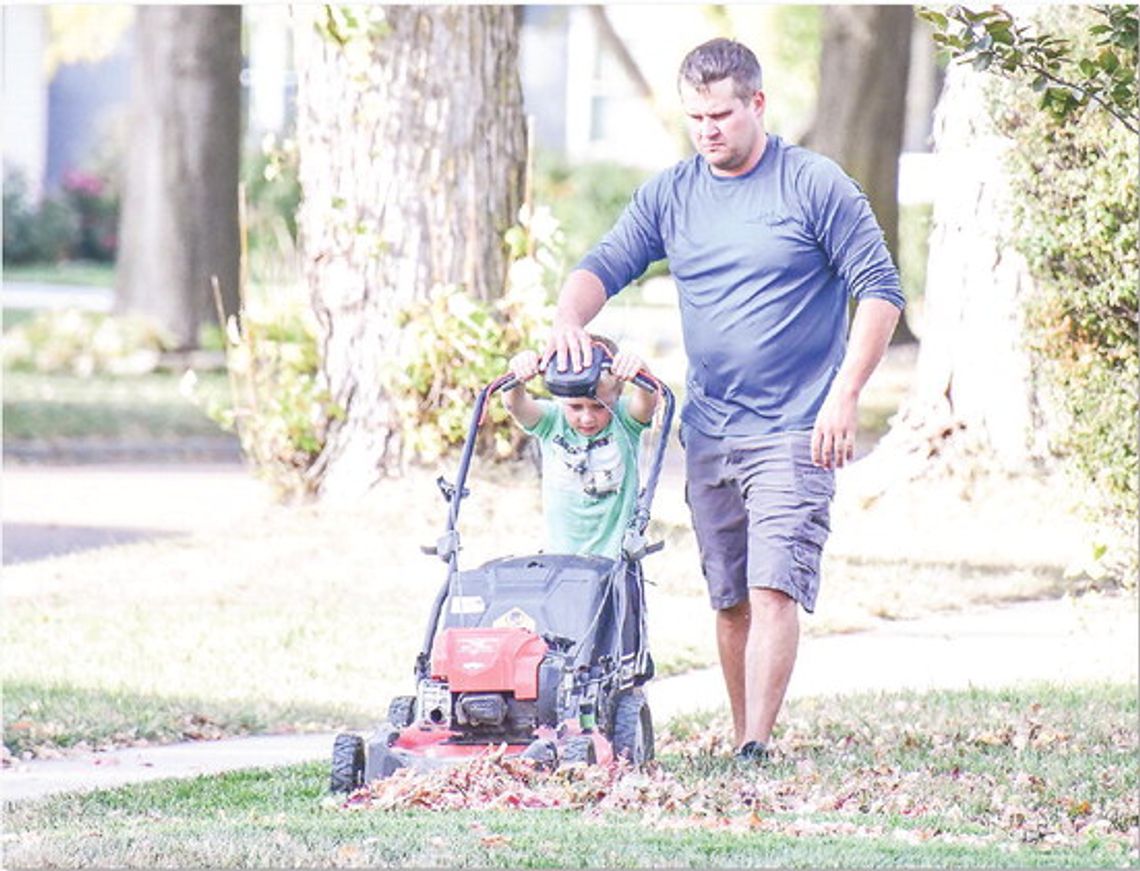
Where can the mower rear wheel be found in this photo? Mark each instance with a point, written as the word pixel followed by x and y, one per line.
pixel 347 763
pixel 580 748
pixel 633 727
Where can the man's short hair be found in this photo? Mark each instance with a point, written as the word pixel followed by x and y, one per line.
pixel 720 59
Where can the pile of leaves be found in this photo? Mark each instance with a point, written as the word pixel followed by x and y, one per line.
pixel 1017 780
pixel 494 780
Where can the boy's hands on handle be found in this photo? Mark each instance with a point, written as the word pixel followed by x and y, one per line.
pixel 625 366
pixel 524 365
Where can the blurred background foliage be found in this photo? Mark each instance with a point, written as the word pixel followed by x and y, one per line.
pixel 1076 223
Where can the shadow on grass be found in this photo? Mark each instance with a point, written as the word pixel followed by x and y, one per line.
pixel 42 719
pixel 27 542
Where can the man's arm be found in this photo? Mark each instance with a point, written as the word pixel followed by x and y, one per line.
pixel 581 298
pixel 833 436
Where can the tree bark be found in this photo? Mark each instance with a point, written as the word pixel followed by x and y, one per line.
pixel 412 162
pixel 977 393
pixel 861 110
pixel 179 224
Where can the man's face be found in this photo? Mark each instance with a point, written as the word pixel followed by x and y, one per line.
pixel 726 130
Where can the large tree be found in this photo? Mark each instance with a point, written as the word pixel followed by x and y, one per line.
pixel 412 148
pixel 179 224
pixel 861 109
pixel 975 383
pixel 1031 318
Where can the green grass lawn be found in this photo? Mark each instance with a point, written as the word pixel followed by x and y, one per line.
pixel 76 272
pixel 1037 777
pixel 39 407
pixel 310 617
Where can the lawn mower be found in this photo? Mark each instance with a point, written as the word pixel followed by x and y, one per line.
pixel 545 654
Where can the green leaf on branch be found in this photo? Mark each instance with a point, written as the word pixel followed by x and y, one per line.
pixel 1107 60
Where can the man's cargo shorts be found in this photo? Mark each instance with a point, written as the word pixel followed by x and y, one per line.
pixel 760 512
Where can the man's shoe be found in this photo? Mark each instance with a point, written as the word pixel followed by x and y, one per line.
pixel 753 751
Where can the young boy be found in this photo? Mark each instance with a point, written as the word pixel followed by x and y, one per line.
pixel 589 453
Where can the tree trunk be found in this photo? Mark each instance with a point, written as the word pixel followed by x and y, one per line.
pixel 412 161
pixel 861 111
pixel 179 223
pixel 976 392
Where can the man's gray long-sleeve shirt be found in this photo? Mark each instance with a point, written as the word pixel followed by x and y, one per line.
pixel 764 263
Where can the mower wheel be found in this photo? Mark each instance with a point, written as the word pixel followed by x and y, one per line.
pixel 580 748
pixel 347 763
pixel 402 711
pixel 633 727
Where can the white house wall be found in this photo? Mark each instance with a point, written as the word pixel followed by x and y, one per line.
pixel 25 106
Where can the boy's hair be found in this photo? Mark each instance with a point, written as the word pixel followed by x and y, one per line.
pixel 606 342
pixel 719 59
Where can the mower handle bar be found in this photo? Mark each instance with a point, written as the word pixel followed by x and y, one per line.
pixel 448 546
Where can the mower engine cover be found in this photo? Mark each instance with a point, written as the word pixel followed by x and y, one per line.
pixel 568 383
pixel 489 660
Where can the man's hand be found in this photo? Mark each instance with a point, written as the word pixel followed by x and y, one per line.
pixel 581 298
pixel 571 345
pixel 833 436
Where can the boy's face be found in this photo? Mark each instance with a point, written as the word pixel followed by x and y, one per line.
pixel 591 416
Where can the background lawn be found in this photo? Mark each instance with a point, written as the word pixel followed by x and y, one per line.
pixel 1037 777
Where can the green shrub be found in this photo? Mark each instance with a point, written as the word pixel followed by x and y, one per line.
pixel 272 197
pixel 451 346
pixel 454 345
pixel 278 405
pixel 46 232
pixel 914 247
pixel 85 343
pixel 1075 171
pixel 587 199
pixel 1078 228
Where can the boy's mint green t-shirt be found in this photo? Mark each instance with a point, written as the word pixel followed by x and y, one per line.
pixel 589 485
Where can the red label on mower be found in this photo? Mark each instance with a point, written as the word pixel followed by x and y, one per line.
pixel 489 660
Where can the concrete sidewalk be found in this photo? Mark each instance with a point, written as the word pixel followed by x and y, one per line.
pixel 43 295
pixel 1063 642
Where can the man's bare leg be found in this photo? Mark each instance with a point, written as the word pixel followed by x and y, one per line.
pixel 732 625
pixel 773 638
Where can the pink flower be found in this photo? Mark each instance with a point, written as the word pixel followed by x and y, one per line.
pixel 78 182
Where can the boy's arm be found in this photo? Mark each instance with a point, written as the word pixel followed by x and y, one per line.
pixel 643 402
pixel 522 407
pixel 519 403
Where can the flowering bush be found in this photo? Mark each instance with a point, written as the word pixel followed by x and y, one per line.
pixel 80 223
pixel 85 343
pixel 96 205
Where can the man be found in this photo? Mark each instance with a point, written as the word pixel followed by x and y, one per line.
pixel 765 241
